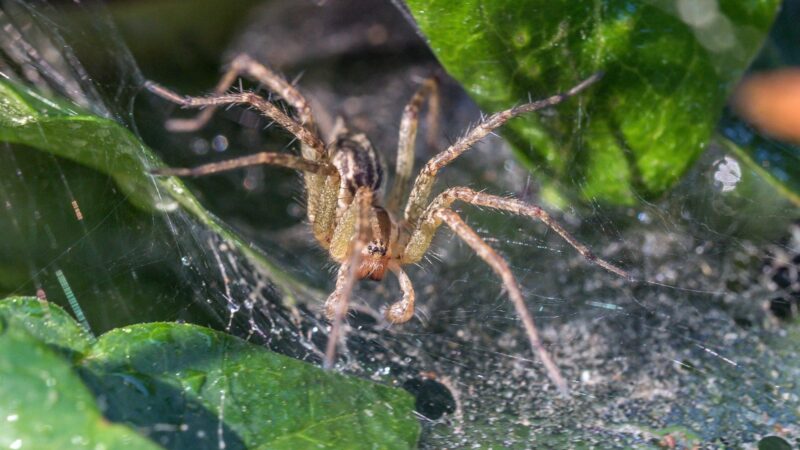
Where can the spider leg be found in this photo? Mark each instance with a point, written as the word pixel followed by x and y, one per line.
pixel 276 159
pixel 438 211
pixel 266 108
pixel 500 267
pixel 244 65
pixel 321 189
pixel 424 182
pixel 421 237
pixel 337 303
pixel 403 310
pixel 408 133
pixel 346 228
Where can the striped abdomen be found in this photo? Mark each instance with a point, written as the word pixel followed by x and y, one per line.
pixel 357 163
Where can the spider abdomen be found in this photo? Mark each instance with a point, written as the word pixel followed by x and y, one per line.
pixel 357 162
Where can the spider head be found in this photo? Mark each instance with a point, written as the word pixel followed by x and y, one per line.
pixel 375 256
pixel 374 260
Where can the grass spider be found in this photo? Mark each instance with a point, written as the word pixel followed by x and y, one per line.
pixel 342 179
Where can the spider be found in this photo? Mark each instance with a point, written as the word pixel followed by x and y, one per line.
pixel 342 180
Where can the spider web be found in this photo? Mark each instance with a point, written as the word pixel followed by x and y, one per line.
pixel 695 351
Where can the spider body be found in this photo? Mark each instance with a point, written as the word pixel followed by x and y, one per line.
pixel 359 166
pixel 343 181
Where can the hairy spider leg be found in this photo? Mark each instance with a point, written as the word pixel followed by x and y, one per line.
pixel 439 210
pixel 337 303
pixel 407 138
pixel 500 267
pixel 268 158
pixel 343 233
pixel 403 310
pixel 427 176
pixel 266 108
pixel 321 189
pixel 244 65
pixel 422 235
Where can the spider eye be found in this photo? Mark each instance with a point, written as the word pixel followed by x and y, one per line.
pixel 378 247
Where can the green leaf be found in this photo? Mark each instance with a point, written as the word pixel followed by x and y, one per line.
pixel 778 163
pixel 267 400
pixel 669 66
pixel 47 323
pixel 65 130
pixel 186 386
pixel 43 402
pixel 773 443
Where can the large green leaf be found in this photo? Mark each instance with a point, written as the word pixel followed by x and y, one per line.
pixel 669 66
pixel 49 323
pixel 43 402
pixel 186 386
pixel 64 130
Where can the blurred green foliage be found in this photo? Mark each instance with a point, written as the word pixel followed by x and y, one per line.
pixel 669 67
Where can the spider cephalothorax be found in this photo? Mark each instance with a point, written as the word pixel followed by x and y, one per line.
pixel 359 166
pixel 343 203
